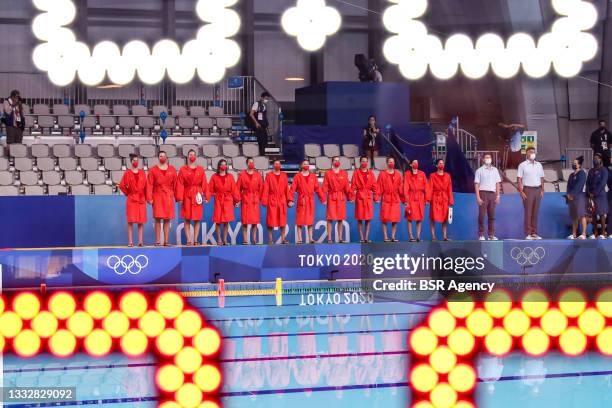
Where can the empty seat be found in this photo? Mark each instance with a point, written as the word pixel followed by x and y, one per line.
pixel 80 189
pixel 179 111
pixel 106 150
pixel 46 122
pixel 186 123
pixel 202 161
pixel 224 123
pixel 177 162
pixel 112 163
pixel 28 178
pixel 61 150
pixel 323 163
pixel 566 173
pixel 563 186
pixel 509 188
pixel 125 150
pixel 101 110
pixel 67 163
pixel 210 150
pixel 41 109
pixel 209 174
pixel 127 122
pixel 312 150
pixel 250 150
pixel 345 163
pixel 89 163
pixel 51 178
pixel 34 190
pixel 96 177
pixel 215 111
pixel 26 108
pixel 146 122
pixel 121 110
pixel 169 123
pixel 230 150
pixel 9 191
pixel 205 123
pixel 350 150
pixel 151 162
pixel 65 122
pixel 239 163
pixel 57 190
pixel 331 150
pixel 103 190
pixel 197 111
pixel 170 150
pixel 158 109
pixel 82 108
pixel 89 122
pixel 147 150
pixel 6 178
pixel 40 150
pixel 380 163
pixel 140 110
pixel 4 164
pixel 549 187
pixel 107 122
pixel 262 163
pixel 23 164
pixel 73 178
pixel 18 150
pixel 61 109
pixel 83 150
pixel 187 147
pixel 116 176
pixel 45 164
pixel 551 175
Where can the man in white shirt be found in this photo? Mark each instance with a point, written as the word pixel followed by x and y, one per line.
pixel 487 183
pixel 259 120
pixel 531 187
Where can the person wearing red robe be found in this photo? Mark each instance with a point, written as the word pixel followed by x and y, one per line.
pixel 391 193
pixel 440 197
pixel 365 192
pixel 250 188
pixel 415 193
pixel 191 193
pixel 134 185
pixel 276 199
pixel 306 185
pixel 337 189
pixel 161 183
pixel 222 187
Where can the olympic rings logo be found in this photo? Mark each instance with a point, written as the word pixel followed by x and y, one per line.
pixel 127 263
pixel 528 256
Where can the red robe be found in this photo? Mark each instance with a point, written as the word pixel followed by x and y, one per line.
pixel 305 187
pixel 365 190
pixel 160 190
pixel 338 190
pixel 440 196
pixel 415 191
pixel 275 198
pixel 134 186
pixel 190 182
pixel 223 188
pixel 250 187
pixel 391 193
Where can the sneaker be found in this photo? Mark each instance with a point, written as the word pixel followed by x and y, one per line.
pixel 582 237
pixel 529 238
pixel 601 237
pixel 592 236
pixel 482 238
pixel 571 237
pixel 493 238
pixel 536 236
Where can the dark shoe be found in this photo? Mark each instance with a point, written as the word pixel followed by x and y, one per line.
pixel 157 244
pixel 329 241
pixel 285 242
pixel 130 245
pixel 412 240
pixel 394 240
pixel 141 245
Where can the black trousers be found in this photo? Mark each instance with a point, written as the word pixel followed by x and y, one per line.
pixel 14 135
pixel 262 139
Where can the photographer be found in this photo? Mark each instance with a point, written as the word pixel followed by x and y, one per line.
pixel 371 139
pixel 13 115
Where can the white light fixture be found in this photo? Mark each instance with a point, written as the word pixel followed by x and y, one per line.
pixel 566 47
pixel 62 57
pixel 311 21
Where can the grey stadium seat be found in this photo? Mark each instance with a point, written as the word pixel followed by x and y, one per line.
pixel 230 150
pixel 40 150
pixel 28 178
pixel 18 150
pixel 46 122
pixel 4 164
pixel 23 164
pixel 125 150
pixel 116 176
pixel 89 122
pixel 106 150
pixel 9 191
pixel 250 150
pixel 197 111
pixel 157 109
pixel 205 123
pixel 151 161
pixel 61 109
pixel 210 151
pixel 73 178
pixel 215 111
pixel 345 163
pixel 107 122
pixel 177 162
pixel 147 150
pixel 186 123
pixel 312 150
pixel 551 175
pixel 26 108
pixel 65 122
pixel 89 163
pixel 121 110
pixel 380 163
pixel 103 190
pixel 34 190
pixel 262 163
pixel 323 163
pixel 112 163
pixel 140 110
pixel 6 178
pixel 80 189
pixel 224 123
pixel 331 150
pixel 127 122
pixel 67 163
pixel 187 147
pixel 179 111
pixel 82 108
pixel 350 150
pixel 209 174
pixel 566 173
pixel 146 122
pixel 239 163
pixel 101 110
pixel 41 109
pixel 45 164
pixel 62 150
pixel 83 150
pixel 170 150
pixel 96 177
pixel 563 186
pixel 51 178
pixel 169 123
pixel 549 187
pixel 57 190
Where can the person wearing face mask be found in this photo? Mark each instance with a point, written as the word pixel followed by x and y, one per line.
pixel 259 119
pixel 440 197
pixel 15 121
pixel 223 188
pixel 191 194
pixel 306 185
pixel 337 189
pixel 531 187
pixel 596 192
pixel 415 193
pixel 600 141
pixel 487 183
pixel 134 186
pixel 391 192
pixel 276 198
pixel 371 139
pixel 161 183
pixel 576 199
pixel 250 188
pixel 365 192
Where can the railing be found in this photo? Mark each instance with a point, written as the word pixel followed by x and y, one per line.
pixel 398 153
pixel 571 153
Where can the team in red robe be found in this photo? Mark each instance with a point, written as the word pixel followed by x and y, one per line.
pixel 365 192
pixel 337 189
pixel 415 194
pixel 276 198
pixel 134 185
pixel 250 188
pixel 191 193
pixel 161 183
pixel 440 197
pixel 391 192
pixel 306 185
pixel 222 187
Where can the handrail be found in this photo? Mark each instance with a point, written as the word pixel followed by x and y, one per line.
pixel 387 137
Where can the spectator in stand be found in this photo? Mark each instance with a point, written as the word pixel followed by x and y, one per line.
pixel 609 217
pixel 222 187
pixel 250 188
pixel 391 192
pixel 191 193
pixel 487 183
pixel 337 188
pixel 14 119
pixel 415 192
pixel 596 192
pixel 440 197
pixel 600 142
pixel 531 188
pixel 161 183
pixel 576 199
pixel 371 139
pixel 511 137
pixel 306 185
pixel 259 118
pixel 276 199
pixel 134 185
pixel 365 191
